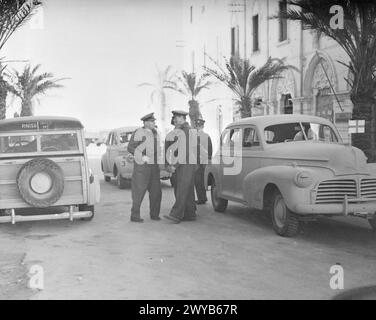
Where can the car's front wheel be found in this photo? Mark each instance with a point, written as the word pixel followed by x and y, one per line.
pixel 372 222
pixel 285 222
pixel 85 207
pixel 218 203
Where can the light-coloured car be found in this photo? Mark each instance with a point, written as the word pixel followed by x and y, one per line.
pixel 117 162
pixel 44 166
pixel 294 166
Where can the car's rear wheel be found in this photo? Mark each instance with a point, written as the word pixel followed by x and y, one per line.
pixel 372 222
pixel 219 204
pixel 85 207
pixel 106 178
pixel 285 222
pixel 122 183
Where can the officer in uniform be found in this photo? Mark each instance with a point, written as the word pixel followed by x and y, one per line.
pixel 184 208
pixel 204 155
pixel 144 146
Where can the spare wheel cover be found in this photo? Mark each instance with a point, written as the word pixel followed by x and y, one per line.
pixel 40 182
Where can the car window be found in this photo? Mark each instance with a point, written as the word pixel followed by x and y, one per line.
pixel 234 136
pixel 225 137
pixel 295 131
pixel 18 144
pixel 109 139
pixel 125 137
pixel 250 138
pixel 114 139
pixel 59 142
pixel 231 137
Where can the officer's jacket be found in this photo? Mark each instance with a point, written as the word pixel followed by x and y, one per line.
pixel 189 148
pixel 151 146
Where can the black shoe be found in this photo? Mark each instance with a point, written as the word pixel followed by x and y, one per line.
pixel 172 219
pixel 135 219
pixel 155 218
pixel 189 218
pixel 200 202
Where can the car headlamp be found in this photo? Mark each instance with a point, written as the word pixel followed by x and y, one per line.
pixel 303 179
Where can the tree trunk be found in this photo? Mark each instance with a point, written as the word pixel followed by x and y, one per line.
pixel 245 107
pixel 26 108
pixel 3 98
pixel 364 109
pixel 194 112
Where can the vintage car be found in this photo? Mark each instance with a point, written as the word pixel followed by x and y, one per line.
pixel 294 166
pixel 44 166
pixel 117 162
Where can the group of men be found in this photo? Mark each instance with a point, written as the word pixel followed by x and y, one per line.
pixel 186 152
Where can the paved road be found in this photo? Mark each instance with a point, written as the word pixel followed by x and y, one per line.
pixel 232 255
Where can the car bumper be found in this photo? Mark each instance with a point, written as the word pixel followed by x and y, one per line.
pixel 71 215
pixel 360 207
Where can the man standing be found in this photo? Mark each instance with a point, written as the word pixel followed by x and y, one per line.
pixel 204 155
pixel 179 147
pixel 144 146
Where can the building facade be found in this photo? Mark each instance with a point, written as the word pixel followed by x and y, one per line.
pixel 315 84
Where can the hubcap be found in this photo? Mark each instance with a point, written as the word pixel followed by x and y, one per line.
pixel 41 183
pixel 280 212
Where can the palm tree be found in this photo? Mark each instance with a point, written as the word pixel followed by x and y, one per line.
pixel 190 85
pixel 242 78
pixel 163 81
pixel 28 86
pixel 358 40
pixel 3 93
pixel 13 14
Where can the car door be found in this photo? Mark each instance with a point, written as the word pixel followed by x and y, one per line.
pixel 114 150
pixel 251 157
pixel 229 160
pixel 106 164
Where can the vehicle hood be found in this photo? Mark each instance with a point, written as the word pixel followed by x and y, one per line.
pixel 341 159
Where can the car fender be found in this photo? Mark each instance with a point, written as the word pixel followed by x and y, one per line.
pixel 94 190
pixel 124 170
pixel 211 170
pixel 281 177
pixel 104 163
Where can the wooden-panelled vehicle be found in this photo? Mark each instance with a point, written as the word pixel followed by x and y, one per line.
pixel 44 166
pixel 294 166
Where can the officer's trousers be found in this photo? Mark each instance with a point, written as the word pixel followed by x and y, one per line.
pixel 199 183
pixel 183 182
pixel 146 177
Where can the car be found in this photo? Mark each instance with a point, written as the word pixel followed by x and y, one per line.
pixel 43 167
pixel 294 166
pixel 117 162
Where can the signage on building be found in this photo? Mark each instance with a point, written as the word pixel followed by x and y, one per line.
pixel 357 126
pixel 343 116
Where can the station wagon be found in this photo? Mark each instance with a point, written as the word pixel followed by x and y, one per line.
pixel 44 165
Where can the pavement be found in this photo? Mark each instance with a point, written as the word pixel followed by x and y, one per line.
pixel 231 255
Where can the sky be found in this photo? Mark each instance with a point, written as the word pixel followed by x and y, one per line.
pixel 105 48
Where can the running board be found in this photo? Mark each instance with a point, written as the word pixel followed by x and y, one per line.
pixel 71 215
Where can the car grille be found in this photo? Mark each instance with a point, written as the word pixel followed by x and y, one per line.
pixel 368 188
pixel 334 191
